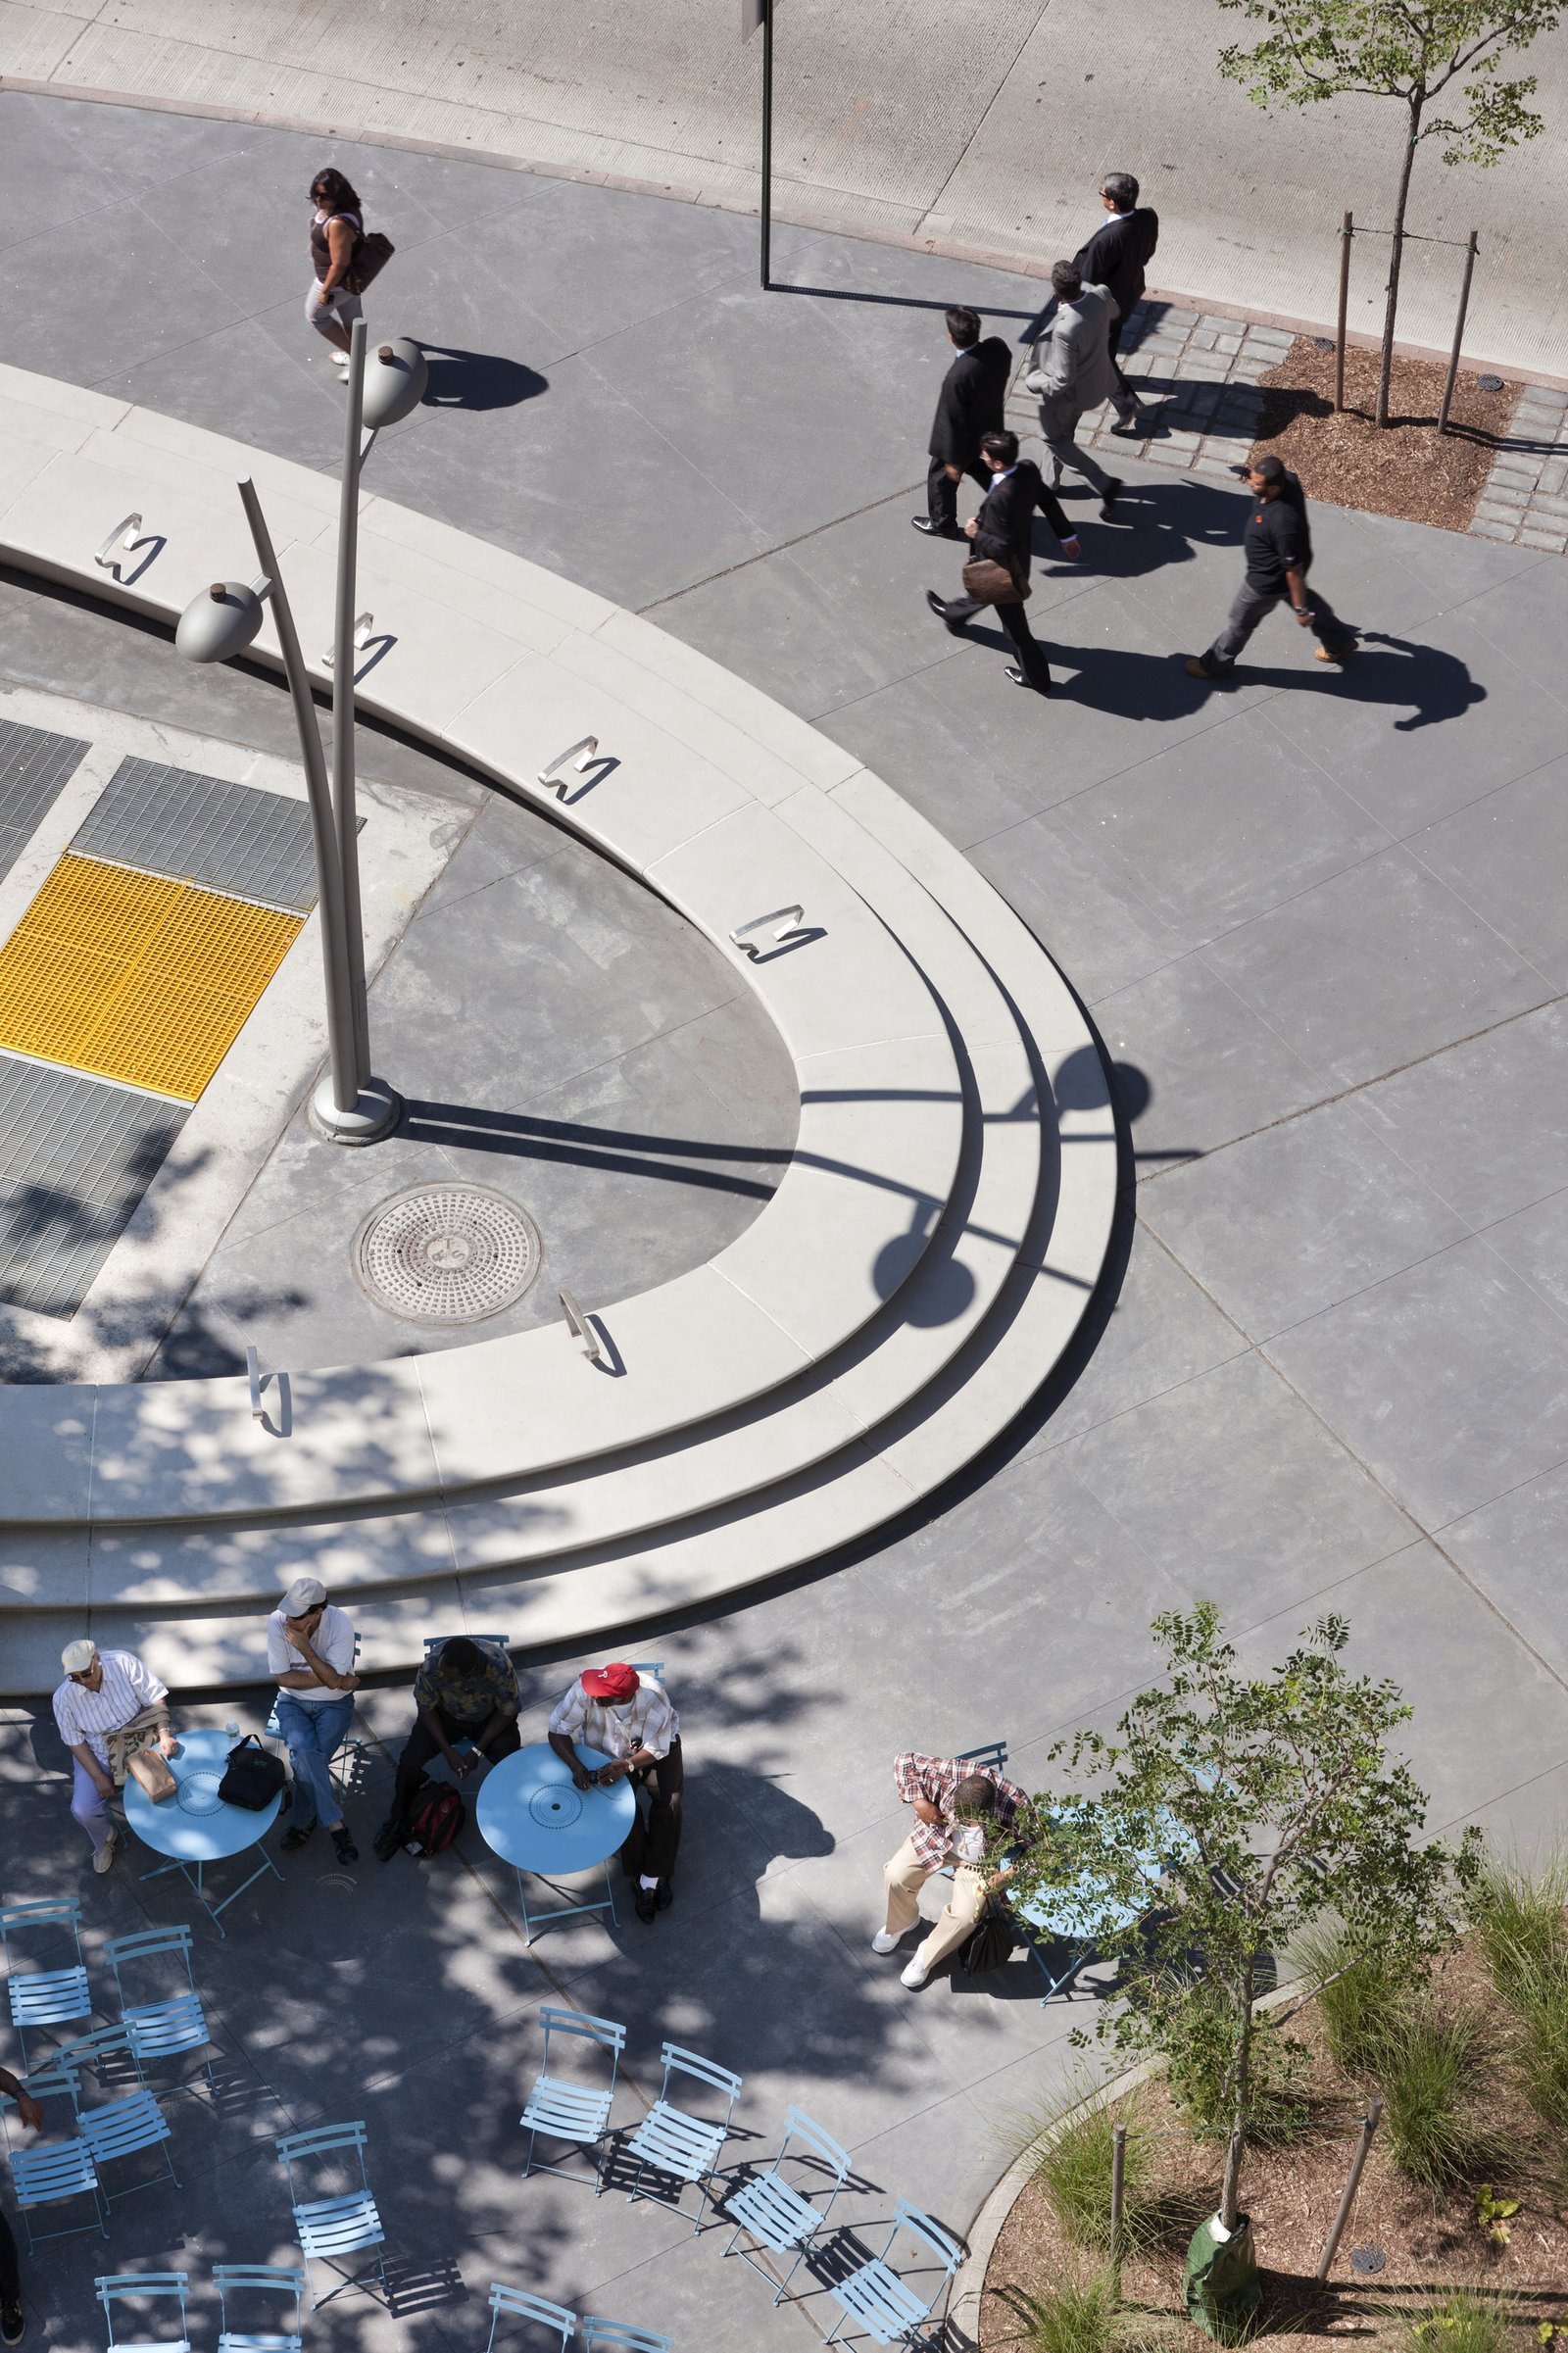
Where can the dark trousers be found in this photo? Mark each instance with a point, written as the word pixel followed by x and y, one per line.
pixel 1014 618
pixel 1250 605
pixel 654 1837
pixel 10 2272
pixel 421 1746
pixel 942 495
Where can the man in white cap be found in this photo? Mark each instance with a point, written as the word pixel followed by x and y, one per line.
pixel 310 1648
pixel 104 1692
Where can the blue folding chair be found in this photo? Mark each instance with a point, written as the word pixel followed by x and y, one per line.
pixel 516 2303
pixel 616 2332
pixel 564 2110
pixel 174 2026
pixel 266 2279
pixel 340 2224
pixel 887 2304
pixel 675 2143
pixel 773 2211
pixel 44 1998
pixel 56 2170
pixel 145 2288
pixel 351 1745
pixel 125 2125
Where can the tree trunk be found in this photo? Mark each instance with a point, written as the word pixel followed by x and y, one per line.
pixel 1230 2196
pixel 1397 253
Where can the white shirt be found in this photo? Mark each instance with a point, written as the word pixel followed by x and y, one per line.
pixel 968 1842
pixel 332 1642
pixel 647 1721
pixel 127 1687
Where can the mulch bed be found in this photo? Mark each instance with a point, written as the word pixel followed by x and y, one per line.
pixel 1409 469
pixel 1292 2190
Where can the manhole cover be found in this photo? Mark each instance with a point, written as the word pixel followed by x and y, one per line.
pixel 446 1254
pixel 197 1793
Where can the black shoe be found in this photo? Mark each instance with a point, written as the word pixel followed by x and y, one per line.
pixel 664 1896
pixel 343 1844
pixel 937 605
pixel 13 2324
pixel 1018 679
pixel 388 1839
pixel 1114 491
pixel 923 523
pixel 646 1905
pixel 295 1836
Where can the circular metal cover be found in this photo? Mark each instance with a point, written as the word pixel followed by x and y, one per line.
pixel 197 1793
pixel 446 1254
pixel 557 1807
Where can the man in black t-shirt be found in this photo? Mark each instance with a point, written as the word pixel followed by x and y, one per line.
pixel 1278 547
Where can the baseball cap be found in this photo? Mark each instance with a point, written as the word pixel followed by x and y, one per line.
pixel 305 1594
pixel 77 1657
pixel 613 1682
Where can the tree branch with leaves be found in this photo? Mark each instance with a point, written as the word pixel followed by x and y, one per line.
pixel 1411 51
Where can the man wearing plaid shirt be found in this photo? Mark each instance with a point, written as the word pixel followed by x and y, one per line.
pixel 957 1804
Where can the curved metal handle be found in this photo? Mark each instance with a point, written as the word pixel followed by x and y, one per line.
pixel 786 917
pixel 580 1328
pixel 122 537
pixel 362 625
pixel 581 758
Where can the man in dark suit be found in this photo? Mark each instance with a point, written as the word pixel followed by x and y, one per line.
pixel 970 404
pixel 1002 531
pixel 1114 258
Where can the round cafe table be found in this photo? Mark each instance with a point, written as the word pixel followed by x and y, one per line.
pixel 531 1815
pixel 195 1826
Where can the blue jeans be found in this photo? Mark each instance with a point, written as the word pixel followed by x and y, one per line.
pixel 313 1735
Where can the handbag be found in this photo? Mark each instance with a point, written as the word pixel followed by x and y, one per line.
pixel 988 1944
pixel 142 1731
pixel 149 1769
pixel 373 250
pixel 253 1777
pixel 992 583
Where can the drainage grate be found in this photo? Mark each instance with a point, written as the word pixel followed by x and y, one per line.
pixel 446 1254
pixel 33 765
pixel 75 1157
pixel 195 828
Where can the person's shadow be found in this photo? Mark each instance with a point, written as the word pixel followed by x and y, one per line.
pixel 477 380
pixel 1436 684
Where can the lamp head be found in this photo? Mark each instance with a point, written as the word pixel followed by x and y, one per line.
pixel 219 623
pixel 395 377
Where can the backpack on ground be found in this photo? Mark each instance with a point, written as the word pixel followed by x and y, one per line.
pixel 438 1817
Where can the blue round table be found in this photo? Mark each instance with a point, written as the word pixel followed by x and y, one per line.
pixel 195 1826
pixel 531 1815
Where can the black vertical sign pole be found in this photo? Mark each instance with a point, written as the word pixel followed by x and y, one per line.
pixel 767 8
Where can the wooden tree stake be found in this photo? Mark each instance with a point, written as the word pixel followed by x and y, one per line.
pixel 1458 332
pixel 1369 2125
pixel 1345 234
pixel 1118 2173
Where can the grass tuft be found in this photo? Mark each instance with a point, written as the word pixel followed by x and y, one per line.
pixel 1077 2313
pixel 1427 2066
pixel 1074 2175
pixel 1362 1999
pixel 1522 1919
pixel 1469 2320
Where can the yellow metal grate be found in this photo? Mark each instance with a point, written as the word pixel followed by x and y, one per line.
pixel 134 977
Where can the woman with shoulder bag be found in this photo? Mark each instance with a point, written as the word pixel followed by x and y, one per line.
pixel 336 227
pixel 998 572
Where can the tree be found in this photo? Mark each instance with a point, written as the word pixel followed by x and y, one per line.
pixel 1230 1812
pixel 1410 50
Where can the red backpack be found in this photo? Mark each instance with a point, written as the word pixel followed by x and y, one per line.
pixel 438 1816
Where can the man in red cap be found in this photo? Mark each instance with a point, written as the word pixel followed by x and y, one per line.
pixel 628 1718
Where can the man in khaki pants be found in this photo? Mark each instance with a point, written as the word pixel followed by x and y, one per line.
pixel 956 1805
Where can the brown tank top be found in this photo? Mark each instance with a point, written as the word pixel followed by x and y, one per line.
pixel 321 249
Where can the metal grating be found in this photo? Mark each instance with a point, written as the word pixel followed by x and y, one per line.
pixel 75 1157
pixel 446 1254
pixel 33 765
pixel 203 829
pixel 134 977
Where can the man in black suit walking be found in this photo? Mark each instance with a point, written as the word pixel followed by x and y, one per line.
pixel 1000 532
pixel 971 404
pixel 1114 258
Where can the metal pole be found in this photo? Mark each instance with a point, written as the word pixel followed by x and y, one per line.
pixel 1458 334
pixel 1118 2173
pixel 1345 234
pixel 1369 2125
pixel 341 1053
pixel 348 832
pixel 766 7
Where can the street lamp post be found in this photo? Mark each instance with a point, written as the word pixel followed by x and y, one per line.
pixel 350 1106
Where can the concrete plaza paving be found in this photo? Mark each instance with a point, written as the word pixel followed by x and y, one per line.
pixel 1318 922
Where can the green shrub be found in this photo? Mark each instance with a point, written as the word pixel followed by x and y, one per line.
pixel 1362 1999
pixel 1427 2063
pixel 1469 2320
pixel 1522 1921
pixel 1077 2315
pixel 1074 2173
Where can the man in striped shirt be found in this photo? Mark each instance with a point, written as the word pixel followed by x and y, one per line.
pixel 957 1807
pixel 104 1690
pixel 628 1718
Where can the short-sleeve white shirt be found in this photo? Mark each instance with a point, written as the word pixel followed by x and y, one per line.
pixel 333 1642
pixel 128 1685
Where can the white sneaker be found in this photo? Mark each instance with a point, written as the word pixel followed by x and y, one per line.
pixel 915 1975
pixel 105 1855
pixel 884 1941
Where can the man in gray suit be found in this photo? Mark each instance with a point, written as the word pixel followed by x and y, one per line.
pixel 1073 371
